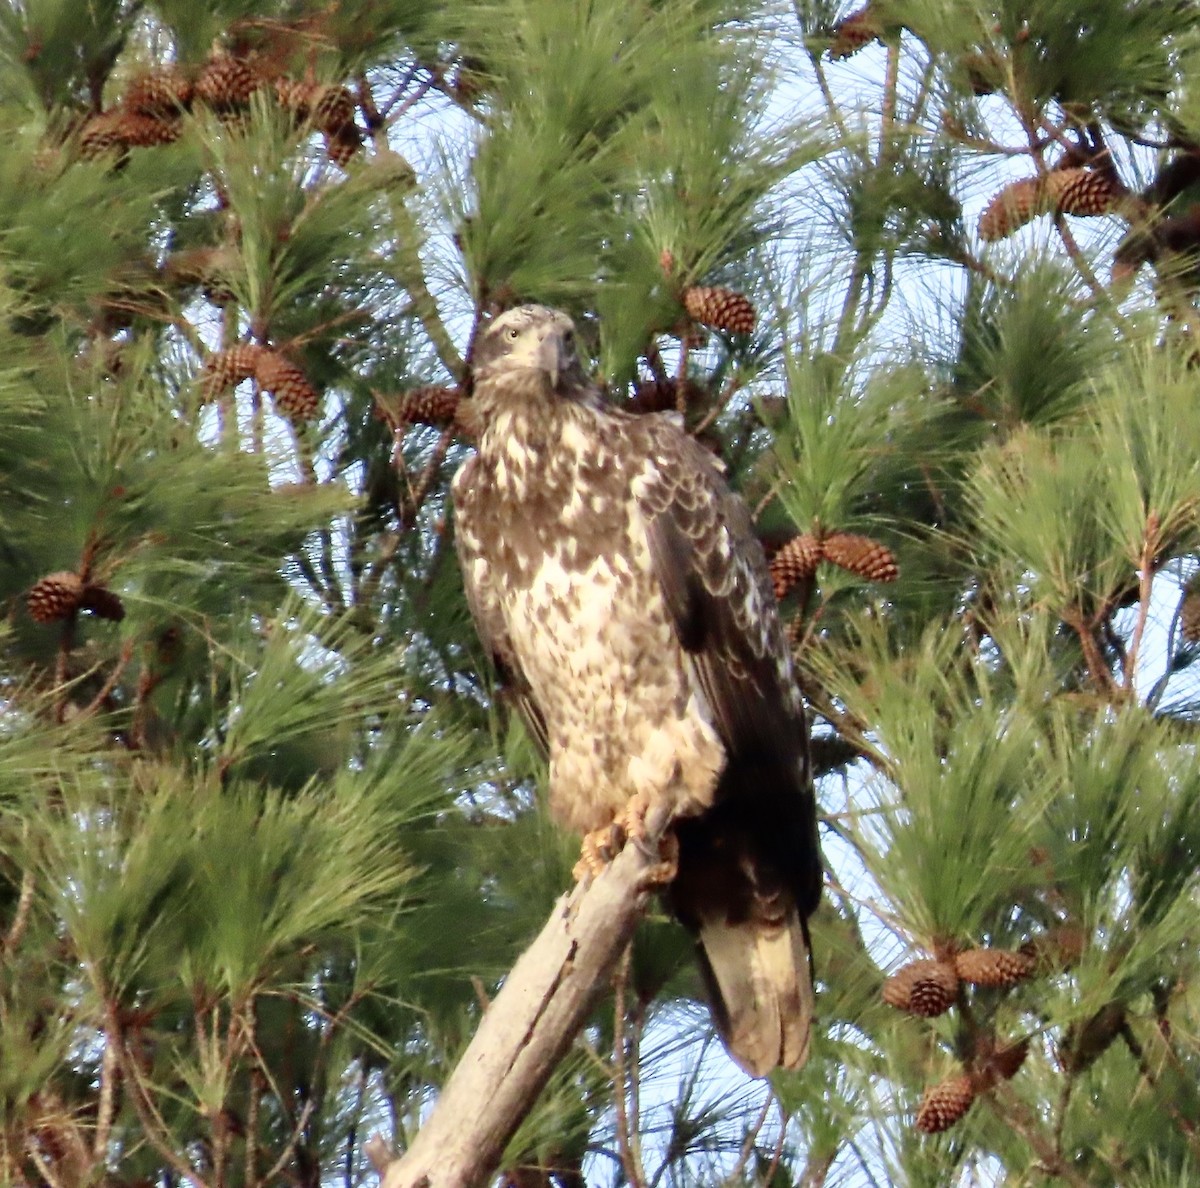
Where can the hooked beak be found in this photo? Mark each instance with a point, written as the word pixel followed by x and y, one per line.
pixel 553 357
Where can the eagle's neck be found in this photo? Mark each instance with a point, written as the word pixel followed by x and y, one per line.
pixel 522 446
pixel 519 428
pixel 522 412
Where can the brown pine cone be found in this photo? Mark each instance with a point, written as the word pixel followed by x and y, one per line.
pixel 1080 191
pixel 55 596
pixel 720 308
pixel 343 144
pixel 650 396
pixel 226 84
pixel 993 967
pixel 984 72
pixel 795 561
pixel 1005 1062
pixel 225 369
pixel 295 96
pixel 853 32
pixel 925 988
pixel 102 603
pixel 101 135
pixel 1011 208
pixel 1084 1043
pixel 207 267
pixel 1189 615
pixel 160 94
pixel 945 1103
pixel 430 404
pixel 861 555
pixel 653 395
pixel 143 131
pixel 294 396
pixel 332 108
pixel 1056 949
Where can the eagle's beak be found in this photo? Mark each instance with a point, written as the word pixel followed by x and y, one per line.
pixel 553 357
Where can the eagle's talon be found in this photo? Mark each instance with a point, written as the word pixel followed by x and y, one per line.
pixel 633 819
pixel 597 850
pixel 664 871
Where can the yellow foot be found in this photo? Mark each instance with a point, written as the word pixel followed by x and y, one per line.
pixel 667 867
pixel 598 849
pixel 633 821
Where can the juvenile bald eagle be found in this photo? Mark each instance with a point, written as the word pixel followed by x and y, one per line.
pixel 617 583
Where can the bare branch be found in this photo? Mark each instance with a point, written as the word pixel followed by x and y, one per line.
pixel 529 1026
pixel 627 1144
pixel 155 1130
pixel 20 921
pixel 109 1074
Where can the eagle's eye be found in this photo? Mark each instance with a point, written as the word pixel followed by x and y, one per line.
pixel 569 338
pixel 512 334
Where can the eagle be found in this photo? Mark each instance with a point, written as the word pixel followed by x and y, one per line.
pixel 617 584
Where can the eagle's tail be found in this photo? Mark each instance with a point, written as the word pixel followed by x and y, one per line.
pixel 759 978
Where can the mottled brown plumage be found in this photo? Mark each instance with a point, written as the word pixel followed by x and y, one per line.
pixel 617 583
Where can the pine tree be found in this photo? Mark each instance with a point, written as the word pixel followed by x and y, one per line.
pixel 922 273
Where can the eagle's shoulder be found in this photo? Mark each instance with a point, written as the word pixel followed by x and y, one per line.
pixel 465 482
pixel 714 576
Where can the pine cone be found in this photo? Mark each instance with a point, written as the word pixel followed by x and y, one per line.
pixel 294 396
pixel 429 405
pixel 332 108
pixel 55 596
pixel 469 81
pixel 160 94
pixel 650 396
pixel 984 72
pixel 796 561
pixel 226 369
pixel 945 1103
pixel 101 135
pixel 343 144
pixel 653 395
pixel 925 988
pixel 1080 191
pixel 1084 1044
pixel 993 967
pixel 102 602
pixel 1056 949
pixel 207 267
pixel 1011 208
pixel 226 84
pixel 720 308
pixel 1006 1062
pixel 853 32
pixel 861 555
pixel 143 131
pixel 295 96
pixel 1189 615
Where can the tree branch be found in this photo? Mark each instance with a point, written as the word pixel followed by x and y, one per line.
pixel 627 1138
pixel 530 1025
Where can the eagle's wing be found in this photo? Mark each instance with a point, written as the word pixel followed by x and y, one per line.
pixel 714 577
pixel 484 604
pixel 749 868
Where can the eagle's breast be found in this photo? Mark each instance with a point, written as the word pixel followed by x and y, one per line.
pixel 565 539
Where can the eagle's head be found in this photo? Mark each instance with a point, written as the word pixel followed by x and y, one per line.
pixel 534 347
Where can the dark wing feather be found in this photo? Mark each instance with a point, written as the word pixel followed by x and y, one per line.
pixel 713 575
pixel 749 871
pixel 482 600
pixel 715 580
